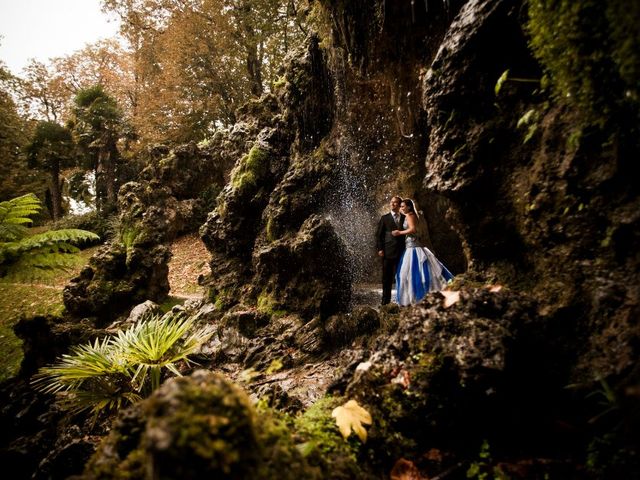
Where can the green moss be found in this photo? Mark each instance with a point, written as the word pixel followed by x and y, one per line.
pixel 268 305
pixel 171 302
pixel 271 230
pixel 275 366
pixel 221 298
pixel 281 457
pixel 322 439
pixel 251 170
pixel 200 426
pixel 280 82
pixel 590 50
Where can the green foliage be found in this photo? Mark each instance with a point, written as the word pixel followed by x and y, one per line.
pixel 22 254
pixel 268 305
pixel 97 126
pixel 529 121
pixel 51 146
pixel 589 49
pixel 123 368
pixel 97 118
pixel 14 215
pixel 79 186
pixel 16 178
pixel 253 167
pixel 482 468
pixel 500 82
pixel 92 221
pixel 506 78
pixel 319 431
pixel 321 440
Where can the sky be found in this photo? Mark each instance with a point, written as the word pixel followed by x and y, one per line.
pixel 43 29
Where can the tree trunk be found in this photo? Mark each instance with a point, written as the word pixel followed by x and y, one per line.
pixel 105 180
pixel 56 195
pixel 254 70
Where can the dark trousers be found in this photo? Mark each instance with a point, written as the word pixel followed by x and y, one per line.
pixel 389 266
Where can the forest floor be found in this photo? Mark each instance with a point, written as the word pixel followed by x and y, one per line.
pixel 20 298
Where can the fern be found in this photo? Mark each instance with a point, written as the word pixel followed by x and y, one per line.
pixel 23 255
pixel 15 213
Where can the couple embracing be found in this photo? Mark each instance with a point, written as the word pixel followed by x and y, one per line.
pixel 400 244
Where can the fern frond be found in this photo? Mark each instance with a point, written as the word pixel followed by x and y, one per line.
pixel 10 232
pixel 28 257
pixel 37 266
pixel 18 210
pixel 66 236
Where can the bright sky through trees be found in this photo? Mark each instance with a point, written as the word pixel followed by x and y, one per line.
pixel 42 29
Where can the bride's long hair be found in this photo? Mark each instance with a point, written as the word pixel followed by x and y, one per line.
pixel 422 230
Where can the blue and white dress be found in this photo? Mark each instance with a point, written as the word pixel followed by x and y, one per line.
pixel 419 272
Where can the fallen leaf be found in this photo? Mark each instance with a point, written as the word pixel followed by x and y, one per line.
pixel 403 378
pixel 351 416
pixel 495 288
pixel 405 470
pixel 450 297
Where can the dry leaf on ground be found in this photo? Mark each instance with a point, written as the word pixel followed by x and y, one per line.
pixel 450 297
pixel 352 416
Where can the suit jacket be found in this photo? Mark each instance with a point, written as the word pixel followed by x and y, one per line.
pixel 392 246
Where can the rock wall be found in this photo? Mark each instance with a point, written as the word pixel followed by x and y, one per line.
pixel 267 236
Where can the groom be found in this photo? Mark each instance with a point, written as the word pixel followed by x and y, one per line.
pixel 390 248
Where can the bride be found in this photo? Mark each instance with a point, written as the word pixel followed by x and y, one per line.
pixel 419 271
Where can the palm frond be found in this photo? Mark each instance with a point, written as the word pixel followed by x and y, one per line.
pixel 84 361
pixel 113 371
pixel 159 343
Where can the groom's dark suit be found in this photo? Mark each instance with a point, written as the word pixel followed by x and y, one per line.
pixel 392 248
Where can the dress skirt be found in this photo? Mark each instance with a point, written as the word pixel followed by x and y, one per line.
pixel 419 272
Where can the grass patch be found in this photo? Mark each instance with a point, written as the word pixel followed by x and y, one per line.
pixel 171 302
pixel 18 300
pixel 30 299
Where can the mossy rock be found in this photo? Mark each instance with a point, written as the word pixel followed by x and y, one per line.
pixel 250 171
pixel 323 446
pixel 202 426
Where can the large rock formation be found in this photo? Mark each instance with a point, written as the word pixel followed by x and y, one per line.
pixel 268 240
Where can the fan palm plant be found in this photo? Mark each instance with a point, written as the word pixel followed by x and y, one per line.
pixel 22 254
pixel 125 367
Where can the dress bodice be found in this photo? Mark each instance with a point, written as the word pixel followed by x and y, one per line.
pixel 411 240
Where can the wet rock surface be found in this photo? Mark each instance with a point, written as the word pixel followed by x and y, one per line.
pixel 265 236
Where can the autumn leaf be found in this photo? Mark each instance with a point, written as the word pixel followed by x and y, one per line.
pixel 450 297
pixel 352 416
